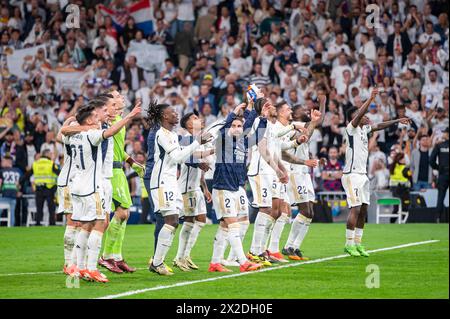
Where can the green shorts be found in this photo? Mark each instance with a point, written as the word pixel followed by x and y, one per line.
pixel 121 193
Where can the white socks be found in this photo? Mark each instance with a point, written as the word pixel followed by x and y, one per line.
pixel 358 235
pixel 349 235
pixel 73 256
pixel 235 242
pixel 81 248
pixel 185 233
pixel 303 230
pixel 165 239
pixel 69 241
pixel 242 231
pixel 193 237
pixel 219 245
pixel 294 232
pixel 262 222
pixel 94 244
pixel 276 233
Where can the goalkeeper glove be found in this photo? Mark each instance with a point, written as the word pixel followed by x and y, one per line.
pixel 139 169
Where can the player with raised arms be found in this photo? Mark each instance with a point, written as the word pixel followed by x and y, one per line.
pixel 301 188
pixel 191 182
pixel 264 173
pixel 288 136
pixel 87 188
pixel 112 257
pixel 229 198
pixel 164 155
pixel 354 179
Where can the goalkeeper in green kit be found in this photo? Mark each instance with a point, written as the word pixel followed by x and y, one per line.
pixel 112 258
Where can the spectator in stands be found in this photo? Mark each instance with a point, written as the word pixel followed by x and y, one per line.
pixel 420 164
pixel 332 171
pixel 290 51
pixel 9 185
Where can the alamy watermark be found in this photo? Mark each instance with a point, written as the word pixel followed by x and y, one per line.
pixel 73 17
pixel 373 17
pixel 72 282
pixel 373 279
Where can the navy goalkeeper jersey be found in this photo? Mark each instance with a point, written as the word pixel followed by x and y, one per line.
pixel 231 152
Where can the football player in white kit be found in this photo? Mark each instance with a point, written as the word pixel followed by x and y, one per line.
pixel 288 137
pixel 301 189
pixel 164 155
pixel 191 182
pixel 264 172
pixel 65 199
pixel 87 189
pixel 354 179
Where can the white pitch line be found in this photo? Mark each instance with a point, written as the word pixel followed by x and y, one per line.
pixel 186 283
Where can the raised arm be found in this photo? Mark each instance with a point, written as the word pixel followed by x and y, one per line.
pixel 116 127
pixel 322 104
pixel 66 123
pixel 286 156
pixel 383 125
pixel 273 162
pixel 315 120
pixel 363 110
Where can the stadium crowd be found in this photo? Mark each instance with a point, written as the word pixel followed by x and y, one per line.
pixel 214 49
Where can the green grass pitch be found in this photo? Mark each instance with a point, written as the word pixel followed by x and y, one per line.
pixel 411 272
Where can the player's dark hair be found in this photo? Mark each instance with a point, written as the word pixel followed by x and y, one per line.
pixel 350 112
pixel 105 96
pixel 155 112
pixel 84 112
pixel 259 103
pixel 280 104
pixel 97 102
pixel 296 107
pixel 303 116
pixel 239 118
pixel 186 118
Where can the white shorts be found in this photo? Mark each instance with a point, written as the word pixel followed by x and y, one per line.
pixel 167 200
pixel 357 189
pixel 280 191
pixel 301 188
pixel 88 208
pixel 230 204
pixel 107 194
pixel 194 203
pixel 242 203
pixel 64 200
pixel 262 187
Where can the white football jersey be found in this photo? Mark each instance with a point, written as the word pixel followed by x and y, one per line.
pixel 189 179
pixel 87 162
pixel 66 174
pixel 164 168
pixel 357 151
pixel 283 141
pixel 108 159
pixel 257 164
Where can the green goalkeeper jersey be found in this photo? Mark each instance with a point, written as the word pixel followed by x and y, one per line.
pixel 119 143
pixel 121 192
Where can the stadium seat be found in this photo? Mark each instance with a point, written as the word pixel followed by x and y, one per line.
pixel 5 206
pixel 391 201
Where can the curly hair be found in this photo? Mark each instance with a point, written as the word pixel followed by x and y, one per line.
pixel 155 112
